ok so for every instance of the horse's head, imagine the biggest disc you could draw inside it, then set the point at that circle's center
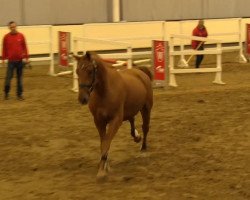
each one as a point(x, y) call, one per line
point(86, 71)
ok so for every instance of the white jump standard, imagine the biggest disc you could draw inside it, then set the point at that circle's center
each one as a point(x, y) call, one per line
point(236, 32)
point(218, 52)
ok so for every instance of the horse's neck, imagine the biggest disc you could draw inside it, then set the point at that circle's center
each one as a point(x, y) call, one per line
point(102, 79)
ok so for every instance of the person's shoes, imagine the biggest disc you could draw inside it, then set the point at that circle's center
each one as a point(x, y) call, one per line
point(20, 98)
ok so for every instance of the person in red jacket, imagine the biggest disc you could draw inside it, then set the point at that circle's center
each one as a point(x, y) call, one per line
point(15, 51)
point(200, 31)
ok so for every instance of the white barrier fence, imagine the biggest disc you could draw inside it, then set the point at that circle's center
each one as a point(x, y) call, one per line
point(233, 35)
point(172, 53)
point(119, 44)
point(43, 37)
point(136, 33)
point(123, 45)
point(43, 41)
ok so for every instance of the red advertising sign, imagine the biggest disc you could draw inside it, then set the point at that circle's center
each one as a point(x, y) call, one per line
point(248, 39)
point(64, 48)
point(159, 55)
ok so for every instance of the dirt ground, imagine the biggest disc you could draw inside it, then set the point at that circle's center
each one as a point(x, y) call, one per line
point(199, 142)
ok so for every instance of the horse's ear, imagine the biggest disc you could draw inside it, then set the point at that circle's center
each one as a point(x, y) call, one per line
point(93, 57)
point(88, 55)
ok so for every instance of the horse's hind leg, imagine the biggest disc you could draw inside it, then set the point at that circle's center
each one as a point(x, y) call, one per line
point(134, 132)
point(145, 112)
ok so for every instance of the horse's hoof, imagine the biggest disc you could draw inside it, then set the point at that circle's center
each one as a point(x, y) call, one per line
point(143, 147)
point(101, 177)
point(107, 166)
point(137, 139)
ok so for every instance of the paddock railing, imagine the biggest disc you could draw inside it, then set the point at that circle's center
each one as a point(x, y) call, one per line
point(172, 53)
point(43, 40)
point(234, 35)
point(122, 45)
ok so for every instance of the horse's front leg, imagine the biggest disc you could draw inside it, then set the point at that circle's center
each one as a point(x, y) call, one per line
point(106, 139)
point(101, 127)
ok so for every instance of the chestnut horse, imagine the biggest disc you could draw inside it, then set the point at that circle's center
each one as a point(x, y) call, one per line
point(113, 97)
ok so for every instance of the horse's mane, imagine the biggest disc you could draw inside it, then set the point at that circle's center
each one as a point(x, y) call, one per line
point(91, 56)
point(99, 60)
point(146, 70)
point(94, 56)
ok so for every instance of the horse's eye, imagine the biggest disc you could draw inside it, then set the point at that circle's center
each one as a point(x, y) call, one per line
point(90, 72)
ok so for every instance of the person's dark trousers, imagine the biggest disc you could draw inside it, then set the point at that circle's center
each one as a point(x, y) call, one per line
point(12, 66)
point(199, 58)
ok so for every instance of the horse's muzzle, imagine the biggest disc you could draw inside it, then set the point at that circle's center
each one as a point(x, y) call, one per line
point(83, 99)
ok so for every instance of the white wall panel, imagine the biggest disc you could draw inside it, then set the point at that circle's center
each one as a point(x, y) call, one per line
point(146, 10)
point(79, 11)
point(37, 12)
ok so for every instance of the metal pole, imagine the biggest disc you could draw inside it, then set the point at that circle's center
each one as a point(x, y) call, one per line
point(116, 10)
point(129, 62)
point(52, 69)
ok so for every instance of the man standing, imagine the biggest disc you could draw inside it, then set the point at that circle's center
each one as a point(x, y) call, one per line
point(200, 31)
point(14, 50)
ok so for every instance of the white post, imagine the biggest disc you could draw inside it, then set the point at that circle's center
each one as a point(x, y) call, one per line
point(52, 67)
point(163, 31)
point(75, 77)
point(217, 79)
point(182, 62)
point(242, 58)
point(116, 10)
point(172, 81)
point(129, 62)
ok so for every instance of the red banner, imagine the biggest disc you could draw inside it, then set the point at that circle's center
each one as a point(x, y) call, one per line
point(64, 48)
point(159, 55)
point(248, 39)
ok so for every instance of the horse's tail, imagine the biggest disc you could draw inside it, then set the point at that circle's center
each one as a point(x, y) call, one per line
point(147, 71)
